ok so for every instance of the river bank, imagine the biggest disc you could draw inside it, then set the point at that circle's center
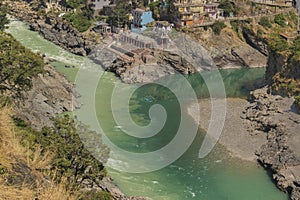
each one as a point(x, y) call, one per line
point(234, 135)
point(264, 130)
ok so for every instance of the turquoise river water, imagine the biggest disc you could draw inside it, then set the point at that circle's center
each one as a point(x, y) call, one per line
point(215, 177)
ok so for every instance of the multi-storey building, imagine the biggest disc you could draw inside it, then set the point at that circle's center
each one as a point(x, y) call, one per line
point(141, 18)
point(189, 12)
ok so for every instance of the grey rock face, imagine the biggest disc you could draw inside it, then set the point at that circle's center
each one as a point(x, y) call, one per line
point(50, 95)
point(54, 29)
point(63, 34)
point(272, 115)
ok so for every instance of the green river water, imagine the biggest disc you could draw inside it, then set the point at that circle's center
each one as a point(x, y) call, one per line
point(215, 177)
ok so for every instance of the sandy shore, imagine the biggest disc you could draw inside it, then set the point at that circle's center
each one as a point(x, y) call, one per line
point(235, 137)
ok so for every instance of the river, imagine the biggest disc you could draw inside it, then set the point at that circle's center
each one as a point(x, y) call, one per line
point(215, 177)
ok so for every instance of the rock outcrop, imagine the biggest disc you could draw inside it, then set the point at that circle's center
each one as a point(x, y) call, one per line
point(273, 116)
point(51, 94)
point(229, 51)
point(61, 33)
point(55, 29)
point(143, 65)
point(255, 42)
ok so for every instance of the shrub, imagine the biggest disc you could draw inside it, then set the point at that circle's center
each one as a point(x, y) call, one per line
point(297, 100)
point(3, 18)
point(217, 27)
point(94, 195)
point(265, 22)
point(277, 43)
point(260, 33)
point(280, 19)
point(18, 65)
point(71, 159)
point(79, 21)
point(228, 7)
point(235, 25)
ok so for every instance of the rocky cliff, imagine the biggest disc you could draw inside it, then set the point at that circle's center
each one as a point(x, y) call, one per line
point(150, 65)
point(228, 50)
point(55, 29)
point(61, 33)
point(283, 72)
point(273, 116)
point(51, 94)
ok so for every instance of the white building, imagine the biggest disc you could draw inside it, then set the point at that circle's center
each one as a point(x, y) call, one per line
point(99, 4)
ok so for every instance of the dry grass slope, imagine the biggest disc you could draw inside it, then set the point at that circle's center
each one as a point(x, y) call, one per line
point(14, 152)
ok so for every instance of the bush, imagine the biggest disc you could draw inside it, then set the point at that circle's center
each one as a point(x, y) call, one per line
point(228, 7)
point(235, 25)
point(277, 43)
point(260, 33)
point(3, 18)
point(18, 65)
point(297, 100)
point(71, 158)
point(265, 22)
point(280, 19)
point(79, 21)
point(217, 27)
point(94, 195)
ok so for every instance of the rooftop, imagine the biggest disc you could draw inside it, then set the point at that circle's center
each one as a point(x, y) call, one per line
point(139, 37)
point(139, 10)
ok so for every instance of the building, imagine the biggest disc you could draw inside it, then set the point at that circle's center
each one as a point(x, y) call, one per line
point(99, 4)
point(141, 18)
point(136, 40)
point(102, 28)
point(213, 11)
point(189, 12)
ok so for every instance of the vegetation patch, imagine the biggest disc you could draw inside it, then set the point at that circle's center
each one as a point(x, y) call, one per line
point(217, 27)
point(280, 20)
point(265, 22)
point(229, 8)
point(79, 20)
point(277, 44)
point(18, 65)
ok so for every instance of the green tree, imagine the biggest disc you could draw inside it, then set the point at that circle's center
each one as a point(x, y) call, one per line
point(217, 27)
point(18, 65)
point(79, 20)
point(154, 7)
point(277, 43)
point(228, 8)
point(72, 158)
point(3, 18)
point(94, 195)
point(74, 4)
point(265, 22)
point(280, 19)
